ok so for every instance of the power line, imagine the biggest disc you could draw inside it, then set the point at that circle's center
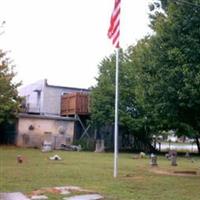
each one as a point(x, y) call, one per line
point(189, 3)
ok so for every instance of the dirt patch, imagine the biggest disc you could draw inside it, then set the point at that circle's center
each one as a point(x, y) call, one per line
point(186, 172)
point(174, 173)
point(43, 191)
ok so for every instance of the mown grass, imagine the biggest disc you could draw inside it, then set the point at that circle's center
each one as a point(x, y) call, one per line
point(94, 171)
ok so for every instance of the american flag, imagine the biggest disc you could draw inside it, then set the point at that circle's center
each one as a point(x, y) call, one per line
point(114, 29)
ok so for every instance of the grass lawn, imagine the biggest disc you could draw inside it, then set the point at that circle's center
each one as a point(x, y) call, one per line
point(94, 171)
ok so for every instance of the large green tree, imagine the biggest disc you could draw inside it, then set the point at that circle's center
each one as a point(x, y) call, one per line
point(168, 67)
point(9, 99)
point(131, 116)
point(159, 77)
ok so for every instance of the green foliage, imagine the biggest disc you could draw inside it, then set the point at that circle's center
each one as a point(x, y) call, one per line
point(168, 67)
point(102, 96)
point(9, 99)
point(132, 119)
point(159, 77)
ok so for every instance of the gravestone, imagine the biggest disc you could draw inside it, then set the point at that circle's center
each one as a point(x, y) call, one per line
point(187, 155)
point(153, 161)
point(142, 155)
point(47, 146)
point(100, 146)
point(39, 197)
point(170, 154)
point(173, 160)
point(84, 197)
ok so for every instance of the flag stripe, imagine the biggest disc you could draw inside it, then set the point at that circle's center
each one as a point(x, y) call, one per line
point(114, 29)
point(114, 20)
point(116, 40)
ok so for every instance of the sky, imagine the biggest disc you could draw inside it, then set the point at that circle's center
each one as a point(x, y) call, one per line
point(64, 41)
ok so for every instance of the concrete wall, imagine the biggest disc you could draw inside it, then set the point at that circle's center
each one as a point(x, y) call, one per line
point(34, 130)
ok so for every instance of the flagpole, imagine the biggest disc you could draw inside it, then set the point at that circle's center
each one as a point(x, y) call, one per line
point(113, 34)
point(116, 114)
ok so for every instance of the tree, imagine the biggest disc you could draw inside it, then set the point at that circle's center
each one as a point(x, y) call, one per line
point(9, 99)
point(170, 76)
point(159, 77)
point(131, 116)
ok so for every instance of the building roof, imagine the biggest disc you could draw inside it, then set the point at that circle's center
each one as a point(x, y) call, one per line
point(55, 117)
point(69, 88)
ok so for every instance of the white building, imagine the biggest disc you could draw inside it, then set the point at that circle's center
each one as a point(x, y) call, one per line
point(41, 120)
point(45, 99)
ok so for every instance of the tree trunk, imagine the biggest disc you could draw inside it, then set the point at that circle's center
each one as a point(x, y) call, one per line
point(198, 144)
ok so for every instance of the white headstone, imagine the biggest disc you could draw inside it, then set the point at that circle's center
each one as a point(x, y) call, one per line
point(85, 197)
